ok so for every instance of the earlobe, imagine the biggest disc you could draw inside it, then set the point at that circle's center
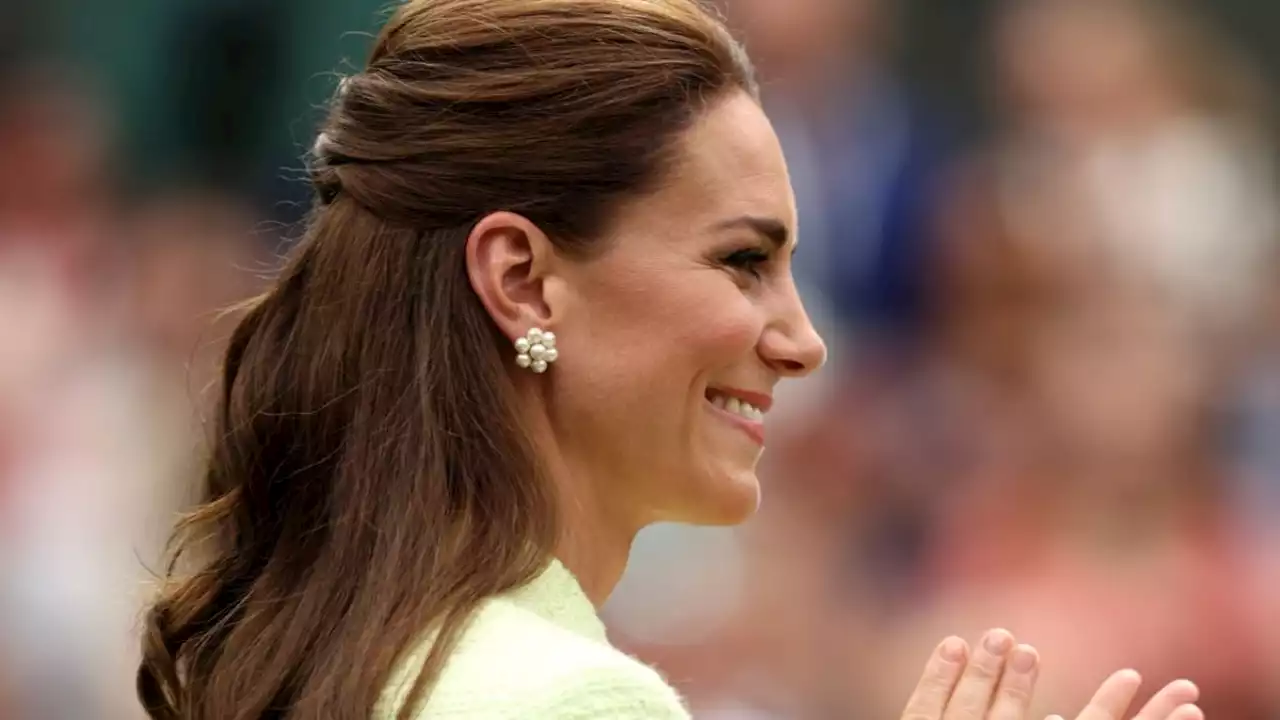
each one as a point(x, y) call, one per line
point(508, 261)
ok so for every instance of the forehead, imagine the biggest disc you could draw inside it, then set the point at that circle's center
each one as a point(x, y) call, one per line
point(730, 164)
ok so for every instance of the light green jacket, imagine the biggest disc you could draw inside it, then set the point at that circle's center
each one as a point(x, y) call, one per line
point(538, 653)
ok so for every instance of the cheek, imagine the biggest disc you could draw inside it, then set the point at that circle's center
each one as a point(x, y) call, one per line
point(718, 336)
point(699, 319)
point(646, 343)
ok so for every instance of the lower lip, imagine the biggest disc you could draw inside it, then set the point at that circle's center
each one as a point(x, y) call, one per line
point(754, 429)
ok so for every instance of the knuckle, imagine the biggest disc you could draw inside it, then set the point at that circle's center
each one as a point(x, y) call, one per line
point(938, 683)
point(984, 671)
point(928, 697)
point(970, 701)
point(937, 690)
point(927, 702)
point(1018, 693)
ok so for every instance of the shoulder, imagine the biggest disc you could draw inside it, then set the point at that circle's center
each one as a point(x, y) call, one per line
point(625, 691)
point(511, 663)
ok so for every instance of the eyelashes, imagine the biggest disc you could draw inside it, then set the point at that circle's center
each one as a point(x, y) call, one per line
point(748, 261)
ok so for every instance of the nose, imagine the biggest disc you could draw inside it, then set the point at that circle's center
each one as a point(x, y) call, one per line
point(790, 345)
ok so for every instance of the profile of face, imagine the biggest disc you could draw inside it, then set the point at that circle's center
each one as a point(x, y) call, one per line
point(672, 340)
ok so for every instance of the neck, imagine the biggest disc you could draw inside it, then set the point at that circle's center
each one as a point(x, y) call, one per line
point(595, 557)
point(595, 539)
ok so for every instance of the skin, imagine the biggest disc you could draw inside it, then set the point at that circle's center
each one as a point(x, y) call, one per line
point(693, 298)
point(693, 295)
point(996, 680)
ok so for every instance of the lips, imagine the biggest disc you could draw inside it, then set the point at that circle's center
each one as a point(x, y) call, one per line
point(758, 400)
point(742, 408)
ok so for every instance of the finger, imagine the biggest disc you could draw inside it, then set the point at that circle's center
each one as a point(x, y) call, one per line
point(938, 681)
point(1013, 696)
point(1171, 697)
point(972, 696)
point(1113, 697)
point(1187, 712)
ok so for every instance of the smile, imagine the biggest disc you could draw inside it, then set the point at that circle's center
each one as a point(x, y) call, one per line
point(740, 411)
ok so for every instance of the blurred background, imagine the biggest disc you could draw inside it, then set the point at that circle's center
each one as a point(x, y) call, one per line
point(1040, 237)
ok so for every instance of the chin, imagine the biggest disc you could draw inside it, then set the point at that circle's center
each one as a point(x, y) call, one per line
point(728, 499)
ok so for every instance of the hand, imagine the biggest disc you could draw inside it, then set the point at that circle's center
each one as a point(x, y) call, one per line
point(1175, 701)
point(998, 681)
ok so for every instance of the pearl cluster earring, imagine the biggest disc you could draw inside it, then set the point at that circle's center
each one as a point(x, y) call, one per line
point(536, 350)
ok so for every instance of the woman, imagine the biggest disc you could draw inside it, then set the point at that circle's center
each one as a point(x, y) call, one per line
point(542, 302)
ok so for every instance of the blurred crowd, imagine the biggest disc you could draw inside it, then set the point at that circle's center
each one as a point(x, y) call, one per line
point(1053, 403)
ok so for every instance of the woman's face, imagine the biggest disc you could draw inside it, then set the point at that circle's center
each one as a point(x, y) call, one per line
point(674, 338)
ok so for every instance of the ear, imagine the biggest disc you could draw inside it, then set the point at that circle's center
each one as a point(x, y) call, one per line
point(509, 263)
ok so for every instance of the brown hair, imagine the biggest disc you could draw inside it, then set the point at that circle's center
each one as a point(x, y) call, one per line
point(369, 480)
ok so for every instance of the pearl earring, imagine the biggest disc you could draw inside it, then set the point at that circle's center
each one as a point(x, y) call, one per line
point(536, 350)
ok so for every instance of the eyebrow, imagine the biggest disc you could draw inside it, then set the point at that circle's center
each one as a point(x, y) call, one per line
point(772, 229)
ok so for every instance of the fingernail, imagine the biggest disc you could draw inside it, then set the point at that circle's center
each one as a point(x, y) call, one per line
point(953, 649)
point(1129, 674)
point(1024, 659)
point(998, 642)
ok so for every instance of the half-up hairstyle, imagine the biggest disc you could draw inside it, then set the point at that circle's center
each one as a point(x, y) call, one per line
point(369, 480)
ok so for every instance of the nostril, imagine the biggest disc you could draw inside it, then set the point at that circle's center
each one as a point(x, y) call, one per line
point(791, 366)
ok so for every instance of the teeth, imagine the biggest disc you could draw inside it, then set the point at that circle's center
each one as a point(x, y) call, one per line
point(737, 407)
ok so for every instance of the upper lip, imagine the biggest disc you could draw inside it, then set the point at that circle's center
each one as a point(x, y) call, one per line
point(758, 400)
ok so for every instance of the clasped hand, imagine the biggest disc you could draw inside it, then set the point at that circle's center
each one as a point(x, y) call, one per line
point(996, 680)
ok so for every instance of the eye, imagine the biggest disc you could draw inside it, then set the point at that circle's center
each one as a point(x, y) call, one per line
point(747, 260)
